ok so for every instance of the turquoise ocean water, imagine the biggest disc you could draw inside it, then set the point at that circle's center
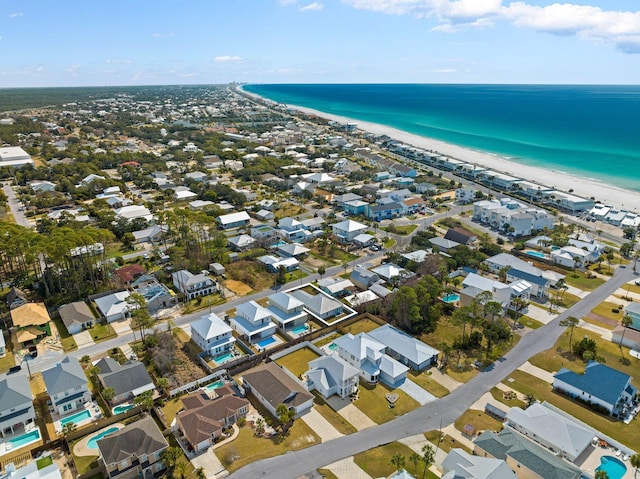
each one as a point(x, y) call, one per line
point(592, 131)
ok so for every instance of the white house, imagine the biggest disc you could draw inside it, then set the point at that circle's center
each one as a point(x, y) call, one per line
point(253, 321)
point(14, 156)
point(286, 310)
point(405, 348)
point(212, 334)
point(347, 230)
point(193, 285)
point(67, 386)
point(16, 405)
point(459, 464)
point(331, 375)
point(234, 220)
point(319, 305)
point(115, 307)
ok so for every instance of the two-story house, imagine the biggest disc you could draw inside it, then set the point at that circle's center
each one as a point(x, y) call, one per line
point(134, 451)
point(127, 380)
point(331, 375)
point(16, 405)
point(193, 285)
point(67, 387)
point(347, 230)
point(292, 230)
point(212, 334)
point(286, 311)
point(253, 321)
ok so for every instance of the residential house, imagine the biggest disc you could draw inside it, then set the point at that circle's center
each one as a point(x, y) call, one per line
point(319, 305)
point(253, 321)
point(128, 273)
point(331, 375)
point(242, 243)
point(16, 297)
point(272, 386)
point(265, 215)
point(197, 205)
point(154, 234)
point(405, 348)
point(204, 419)
point(363, 240)
point(524, 457)
point(363, 278)
point(134, 451)
point(633, 310)
point(14, 157)
point(286, 311)
point(505, 294)
point(390, 272)
point(341, 200)
point(385, 211)
point(274, 263)
point(599, 385)
point(127, 380)
point(367, 354)
point(16, 405)
point(32, 323)
point(443, 244)
point(115, 307)
point(516, 269)
point(233, 220)
point(347, 230)
point(193, 285)
point(32, 470)
point(557, 432)
point(264, 234)
point(465, 195)
point(571, 257)
point(459, 464)
point(292, 230)
point(67, 386)
point(76, 316)
point(417, 256)
point(156, 295)
point(336, 287)
point(460, 235)
point(133, 212)
point(355, 207)
point(212, 334)
point(293, 250)
point(314, 224)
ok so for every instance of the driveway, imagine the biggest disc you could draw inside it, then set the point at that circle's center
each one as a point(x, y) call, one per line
point(83, 339)
point(351, 413)
point(347, 469)
point(122, 326)
point(540, 314)
point(321, 426)
point(209, 462)
point(416, 392)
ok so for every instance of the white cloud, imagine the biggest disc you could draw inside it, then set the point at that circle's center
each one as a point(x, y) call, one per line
point(620, 28)
point(312, 7)
point(15, 14)
point(228, 59)
point(118, 62)
point(163, 35)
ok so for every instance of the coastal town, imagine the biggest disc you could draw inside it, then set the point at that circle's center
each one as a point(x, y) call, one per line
point(201, 283)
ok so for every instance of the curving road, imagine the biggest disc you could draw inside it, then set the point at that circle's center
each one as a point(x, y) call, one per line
point(430, 416)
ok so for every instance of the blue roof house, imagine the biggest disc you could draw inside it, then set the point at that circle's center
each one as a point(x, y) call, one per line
point(599, 385)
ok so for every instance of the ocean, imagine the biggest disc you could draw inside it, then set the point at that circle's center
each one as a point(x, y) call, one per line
point(591, 131)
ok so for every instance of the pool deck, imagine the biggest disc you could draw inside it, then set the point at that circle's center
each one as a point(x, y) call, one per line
point(82, 449)
point(592, 461)
point(91, 406)
point(7, 448)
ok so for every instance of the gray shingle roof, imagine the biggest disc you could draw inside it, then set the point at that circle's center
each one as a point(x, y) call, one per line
point(65, 375)
point(276, 386)
point(129, 376)
point(139, 438)
point(75, 313)
point(15, 392)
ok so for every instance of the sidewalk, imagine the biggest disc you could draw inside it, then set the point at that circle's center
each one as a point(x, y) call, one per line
point(604, 333)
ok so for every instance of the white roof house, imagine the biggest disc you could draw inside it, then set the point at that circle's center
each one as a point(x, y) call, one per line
point(347, 230)
point(319, 305)
point(286, 310)
point(134, 211)
point(459, 464)
point(361, 298)
point(332, 375)
point(14, 156)
point(114, 306)
point(253, 321)
point(405, 348)
point(212, 334)
point(234, 220)
point(389, 271)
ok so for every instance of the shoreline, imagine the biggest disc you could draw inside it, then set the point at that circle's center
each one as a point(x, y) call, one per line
point(615, 196)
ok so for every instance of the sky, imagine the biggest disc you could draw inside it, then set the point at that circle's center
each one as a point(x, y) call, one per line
point(144, 42)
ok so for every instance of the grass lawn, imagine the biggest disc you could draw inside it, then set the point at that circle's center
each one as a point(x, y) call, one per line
point(376, 462)
point(66, 339)
point(297, 362)
point(479, 420)
point(580, 281)
point(171, 408)
point(530, 322)
point(363, 326)
point(566, 299)
point(102, 332)
point(247, 448)
point(400, 230)
point(288, 209)
point(327, 474)
point(327, 339)
point(498, 395)
point(44, 462)
point(294, 275)
point(628, 434)
point(373, 403)
point(9, 359)
point(425, 382)
point(446, 443)
point(335, 419)
point(203, 302)
point(250, 273)
point(388, 242)
point(606, 309)
point(601, 324)
point(330, 253)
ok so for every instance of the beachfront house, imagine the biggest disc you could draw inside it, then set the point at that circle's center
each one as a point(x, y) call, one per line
point(133, 451)
point(331, 375)
point(253, 322)
point(17, 413)
point(271, 386)
point(599, 385)
point(67, 387)
point(213, 335)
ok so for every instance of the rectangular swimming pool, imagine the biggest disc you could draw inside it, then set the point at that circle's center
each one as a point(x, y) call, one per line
point(536, 254)
point(25, 439)
point(451, 298)
point(216, 385)
point(223, 358)
point(266, 342)
point(303, 328)
point(77, 417)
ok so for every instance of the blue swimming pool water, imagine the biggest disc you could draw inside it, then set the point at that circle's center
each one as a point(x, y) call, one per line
point(266, 342)
point(25, 439)
point(451, 298)
point(223, 358)
point(93, 442)
point(216, 385)
point(77, 417)
point(300, 329)
point(122, 408)
point(333, 346)
point(537, 254)
point(614, 468)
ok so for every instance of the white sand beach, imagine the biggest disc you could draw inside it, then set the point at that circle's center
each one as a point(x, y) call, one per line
point(607, 194)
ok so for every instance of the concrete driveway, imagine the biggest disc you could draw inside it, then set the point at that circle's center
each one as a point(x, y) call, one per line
point(416, 392)
point(347, 469)
point(321, 426)
point(351, 413)
point(210, 463)
point(83, 339)
point(122, 326)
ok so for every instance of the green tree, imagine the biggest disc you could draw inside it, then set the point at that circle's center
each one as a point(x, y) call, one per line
point(570, 322)
point(69, 428)
point(144, 400)
point(140, 317)
point(108, 394)
point(281, 275)
point(635, 463)
point(285, 416)
point(626, 321)
point(398, 461)
point(601, 475)
point(404, 308)
point(428, 456)
point(163, 385)
point(200, 474)
point(415, 458)
point(321, 271)
point(259, 426)
point(170, 457)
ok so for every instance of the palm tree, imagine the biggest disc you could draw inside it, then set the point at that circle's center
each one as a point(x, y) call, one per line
point(570, 322)
point(179, 470)
point(108, 394)
point(625, 322)
point(163, 385)
point(170, 457)
point(68, 428)
point(259, 426)
point(145, 400)
point(635, 463)
point(414, 458)
point(200, 474)
point(285, 416)
point(601, 475)
point(321, 271)
point(428, 456)
point(398, 461)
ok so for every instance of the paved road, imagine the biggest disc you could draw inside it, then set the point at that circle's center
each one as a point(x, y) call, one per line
point(15, 206)
point(430, 416)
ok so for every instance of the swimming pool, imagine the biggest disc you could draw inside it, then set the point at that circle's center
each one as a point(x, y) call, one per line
point(614, 468)
point(77, 417)
point(25, 439)
point(303, 328)
point(266, 342)
point(536, 254)
point(223, 358)
point(216, 385)
point(451, 298)
point(93, 441)
point(333, 346)
point(122, 408)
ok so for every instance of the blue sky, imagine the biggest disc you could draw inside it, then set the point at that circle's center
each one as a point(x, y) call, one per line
point(135, 42)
